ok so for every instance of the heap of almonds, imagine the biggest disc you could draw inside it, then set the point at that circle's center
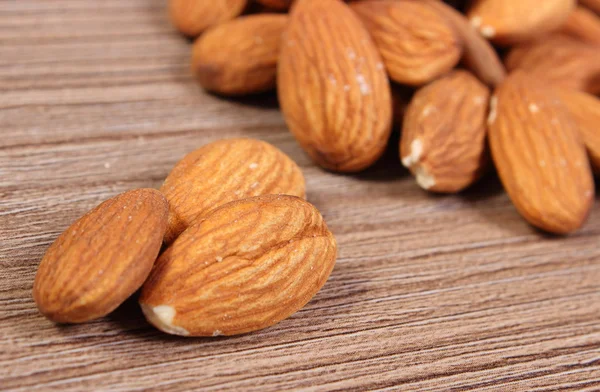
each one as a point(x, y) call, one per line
point(517, 78)
point(242, 248)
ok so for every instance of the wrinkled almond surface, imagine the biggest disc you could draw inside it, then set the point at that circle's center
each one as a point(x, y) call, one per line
point(223, 171)
point(561, 60)
point(246, 266)
point(417, 44)
point(585, 111)
point(240, 56)
point(539, 155)
point(510, 21)
point(102, 258)
point(332, 86)
point(443, 140)
point(192, 17)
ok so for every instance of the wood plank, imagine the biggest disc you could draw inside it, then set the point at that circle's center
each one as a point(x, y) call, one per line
point(429, 293)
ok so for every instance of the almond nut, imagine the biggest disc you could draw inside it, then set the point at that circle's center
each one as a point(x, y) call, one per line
point(443, 139)
point(192, 17)
point(332, 86)
point(240, 56)
point(102, 258)
point(539, 155)
point(510, 21)
point(561, 60)
point(416, 43)
point(223, 171)
point(246, 266)
point(585, 111)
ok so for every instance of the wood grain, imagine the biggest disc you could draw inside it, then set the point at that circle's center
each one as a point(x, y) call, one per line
point(429, 293)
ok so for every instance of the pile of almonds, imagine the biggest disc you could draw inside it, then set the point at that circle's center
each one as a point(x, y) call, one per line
point(471, 83)
point(243, 249)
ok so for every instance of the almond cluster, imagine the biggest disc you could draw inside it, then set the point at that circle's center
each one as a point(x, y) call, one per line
point(470, 84)
point(242, 251)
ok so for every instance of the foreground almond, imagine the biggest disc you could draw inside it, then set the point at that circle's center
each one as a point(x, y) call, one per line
point(585, 111)
point(102, 258)
point(443, 140)
point(239, 57)
point(192, 17)
point(511, 21)
point(223, 171)
point(417, 44)
point(245, 267)
point(560, 60)
point(332, 86)
point(539, 155)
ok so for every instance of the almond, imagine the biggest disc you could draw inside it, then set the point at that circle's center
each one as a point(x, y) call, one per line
point(246, 266)
point(583, 24)
point(479, 55)
point(585, 111)
point(539, 155)
point(332, 86)
point(240, 56)
point(416, 43)
point(561, 60)
point(102, 258)
point(510, 21)
point(192, 17)
point(223, 171)
point(443, 139)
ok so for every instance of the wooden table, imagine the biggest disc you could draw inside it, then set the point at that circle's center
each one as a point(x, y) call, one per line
point(429, 292)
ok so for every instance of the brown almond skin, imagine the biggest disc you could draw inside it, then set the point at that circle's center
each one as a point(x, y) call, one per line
point(479, 55)
point(443, 140)
point(416, 43)
point(246, 266)
point(332, 86)
point(507, 22)
point(559, 60)
point(102, 258)
point(240, 56)
point(585, 111)
point(192, 17)
point(583, 24)
point(539, 155)
point(224, 171)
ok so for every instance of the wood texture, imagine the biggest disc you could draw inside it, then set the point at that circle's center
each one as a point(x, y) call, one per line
point(429, 293)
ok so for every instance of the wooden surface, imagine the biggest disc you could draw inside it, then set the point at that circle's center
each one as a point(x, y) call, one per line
point(429, 293)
